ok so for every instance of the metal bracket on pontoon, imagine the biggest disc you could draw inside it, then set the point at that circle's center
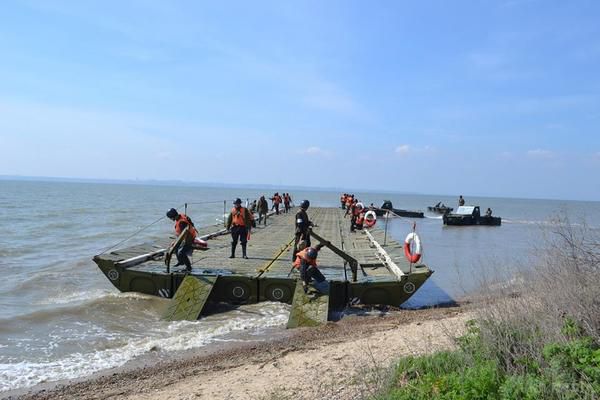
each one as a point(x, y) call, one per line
point(353, 262)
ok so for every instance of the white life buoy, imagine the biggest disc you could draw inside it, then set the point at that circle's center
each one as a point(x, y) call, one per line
point(415, 256)
point(370, 218)
point(360, 205)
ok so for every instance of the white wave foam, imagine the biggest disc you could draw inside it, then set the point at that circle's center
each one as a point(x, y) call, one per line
point(75, 297)
point(177, 336)
point(91, 295)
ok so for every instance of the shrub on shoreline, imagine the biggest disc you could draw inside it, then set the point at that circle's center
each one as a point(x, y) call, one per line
point(569, 370)
point(537, 339)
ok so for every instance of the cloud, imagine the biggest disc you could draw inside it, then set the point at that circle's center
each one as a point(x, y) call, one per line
point(406, 149)
point(540, 154)
point(315, 151)
point(403, 149)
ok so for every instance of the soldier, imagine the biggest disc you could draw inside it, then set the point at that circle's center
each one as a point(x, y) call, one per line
point(252, 207)
point(263, 209)
point(185, 249)
point(239, 222)
point(356, 210)
point(306, 264)
point(461, 201)
point(276, 202)
point(303, 225)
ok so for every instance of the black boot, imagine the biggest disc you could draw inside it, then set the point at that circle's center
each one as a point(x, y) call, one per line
point(233, 245)
point(244, 251)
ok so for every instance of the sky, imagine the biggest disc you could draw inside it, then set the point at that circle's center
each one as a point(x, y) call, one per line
point(488, 98)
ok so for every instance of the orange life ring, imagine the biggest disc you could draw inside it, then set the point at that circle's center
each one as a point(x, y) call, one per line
point(370, 219)
point(410, 256)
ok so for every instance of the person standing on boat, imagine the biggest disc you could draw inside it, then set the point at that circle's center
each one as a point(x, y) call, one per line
point(239, 223)
point(185, 249)
point(461, 201)
point(263, 209)
point(303, 225)
point(306, 264)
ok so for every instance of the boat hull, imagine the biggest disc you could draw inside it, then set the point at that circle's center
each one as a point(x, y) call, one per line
point(467, 220)
point(440, 210)
point(401, 213)
point(241, 289)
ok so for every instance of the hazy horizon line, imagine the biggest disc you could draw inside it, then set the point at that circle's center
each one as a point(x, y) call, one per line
point(176, 182)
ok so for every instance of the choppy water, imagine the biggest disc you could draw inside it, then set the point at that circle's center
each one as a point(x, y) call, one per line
point(61, 318)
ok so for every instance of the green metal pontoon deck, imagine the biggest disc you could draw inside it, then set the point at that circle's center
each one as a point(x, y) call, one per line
point(362, 267)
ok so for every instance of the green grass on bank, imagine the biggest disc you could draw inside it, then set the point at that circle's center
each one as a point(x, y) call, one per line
point(537, 338)
point(566, 370)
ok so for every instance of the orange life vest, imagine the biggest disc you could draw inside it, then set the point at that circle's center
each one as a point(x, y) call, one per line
point(238, 216)
point(360, 219)
point(301, 255)
point(179, 228)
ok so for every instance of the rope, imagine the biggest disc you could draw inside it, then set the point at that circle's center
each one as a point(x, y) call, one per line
point(136, 233)
point(207, 202)
point(184, 205)
point(395, 215)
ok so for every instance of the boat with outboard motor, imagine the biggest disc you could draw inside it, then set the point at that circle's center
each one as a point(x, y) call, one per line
point(470, 215)
point(388, 206)
point(358, 269)
point(440, 208)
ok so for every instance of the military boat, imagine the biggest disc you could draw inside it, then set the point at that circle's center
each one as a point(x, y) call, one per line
point(364, 267)
point(440, 209)
point(470, 215)
point(388, 206)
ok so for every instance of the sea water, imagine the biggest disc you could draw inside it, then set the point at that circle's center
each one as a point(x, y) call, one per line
point(60, 318)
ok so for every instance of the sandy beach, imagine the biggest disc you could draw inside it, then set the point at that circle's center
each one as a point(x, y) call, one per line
point(340, 360)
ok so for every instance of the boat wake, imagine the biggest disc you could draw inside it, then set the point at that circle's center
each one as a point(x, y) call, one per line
point(537, 222)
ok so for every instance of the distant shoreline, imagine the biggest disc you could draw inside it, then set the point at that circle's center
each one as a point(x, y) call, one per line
point(181, 183)
point(257, 186)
